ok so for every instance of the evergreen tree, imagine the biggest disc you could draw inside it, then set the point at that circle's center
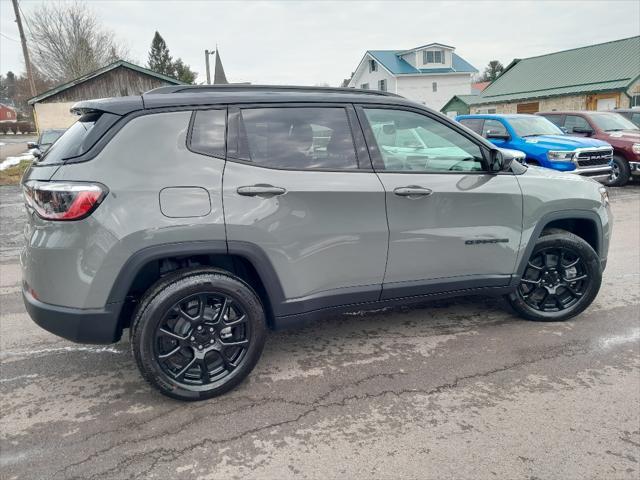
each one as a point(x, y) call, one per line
point(183, 72)
point(159, 59)
point(493, 71)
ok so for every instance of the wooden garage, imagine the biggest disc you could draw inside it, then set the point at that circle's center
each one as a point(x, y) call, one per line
point(119, 79)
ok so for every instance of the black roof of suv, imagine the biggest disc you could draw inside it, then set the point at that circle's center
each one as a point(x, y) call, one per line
point(195, 95)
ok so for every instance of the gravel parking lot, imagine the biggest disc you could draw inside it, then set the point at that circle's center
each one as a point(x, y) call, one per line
point(456, 389)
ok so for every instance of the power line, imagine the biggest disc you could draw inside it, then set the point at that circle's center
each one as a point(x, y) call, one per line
point(9, 38)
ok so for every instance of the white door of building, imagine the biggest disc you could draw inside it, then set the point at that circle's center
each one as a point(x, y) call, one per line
point(606, 104)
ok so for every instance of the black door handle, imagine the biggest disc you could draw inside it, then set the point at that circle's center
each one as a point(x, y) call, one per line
point(257, 190)
point(414, 191)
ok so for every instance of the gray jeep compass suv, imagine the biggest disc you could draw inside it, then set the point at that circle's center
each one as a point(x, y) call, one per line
point(200, 217)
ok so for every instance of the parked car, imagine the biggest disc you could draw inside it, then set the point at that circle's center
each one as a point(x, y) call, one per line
point(127, 230)
point(45, 140)
point(632, 114)
point(543, 143)
point(622, 134)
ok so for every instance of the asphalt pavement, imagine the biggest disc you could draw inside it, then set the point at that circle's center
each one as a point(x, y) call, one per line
point(456, 389)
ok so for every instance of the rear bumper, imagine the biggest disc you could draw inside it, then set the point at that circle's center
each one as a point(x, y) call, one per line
point(75, 324)
point(635, 168)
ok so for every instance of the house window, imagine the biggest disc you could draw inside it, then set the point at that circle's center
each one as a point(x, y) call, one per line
point(364, 86)
point(382, 85)
point(434, 86)
point(635, 101)
point(432, 56)
point(373, 66)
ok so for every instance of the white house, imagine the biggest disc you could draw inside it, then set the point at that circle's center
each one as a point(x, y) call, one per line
point(430, 74)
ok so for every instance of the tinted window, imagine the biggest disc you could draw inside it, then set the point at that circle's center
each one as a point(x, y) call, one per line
point(409, 141)
point(495, 127)
point(555, 119)
point(208, 132)
point(635, 118)
point(474, 124)
point(573, 121)
point(79, 138)
point(302, 138)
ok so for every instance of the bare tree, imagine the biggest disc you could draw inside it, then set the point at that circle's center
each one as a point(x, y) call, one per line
point(67, 41)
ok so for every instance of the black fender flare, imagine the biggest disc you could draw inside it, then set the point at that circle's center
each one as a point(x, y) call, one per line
point(546, 220)
point(250, 252)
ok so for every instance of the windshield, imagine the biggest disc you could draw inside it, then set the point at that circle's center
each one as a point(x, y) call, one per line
point(50, 136)
point(532, 126)
point(612, 122)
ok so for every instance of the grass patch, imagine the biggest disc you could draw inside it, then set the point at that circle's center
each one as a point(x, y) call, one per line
point(13, 175)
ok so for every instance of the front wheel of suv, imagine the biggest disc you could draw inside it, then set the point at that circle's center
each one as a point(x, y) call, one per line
point(561, 279)
point(620, 172)
point(198, 333)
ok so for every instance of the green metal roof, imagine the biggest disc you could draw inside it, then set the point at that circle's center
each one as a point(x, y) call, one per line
point(466, 99)
point(469, 99)
point(100, 71)
point(604, 67)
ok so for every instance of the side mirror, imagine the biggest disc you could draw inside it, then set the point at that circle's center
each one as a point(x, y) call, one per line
point(37, 153)
point(583, 130)
point(500, 160)
point(32, 145)
point(498, 135)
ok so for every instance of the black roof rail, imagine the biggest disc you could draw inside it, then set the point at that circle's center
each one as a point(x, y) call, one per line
point(247, 87)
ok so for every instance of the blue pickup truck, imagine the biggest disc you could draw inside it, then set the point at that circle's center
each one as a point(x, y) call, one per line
point(543, 143)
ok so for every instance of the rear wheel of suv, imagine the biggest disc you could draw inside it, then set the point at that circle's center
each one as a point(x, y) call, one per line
point(198, 333)
point(561, 279)
point(620, 172)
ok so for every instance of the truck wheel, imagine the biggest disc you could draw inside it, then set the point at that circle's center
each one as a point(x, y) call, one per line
point(620, 172)
point(561, 279)
point(198, 333)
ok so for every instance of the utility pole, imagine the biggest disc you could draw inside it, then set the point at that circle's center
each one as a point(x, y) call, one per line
point(25, 51)
point(206, 59)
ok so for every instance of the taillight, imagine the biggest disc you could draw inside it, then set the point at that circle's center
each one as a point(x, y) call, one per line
point(63, 200)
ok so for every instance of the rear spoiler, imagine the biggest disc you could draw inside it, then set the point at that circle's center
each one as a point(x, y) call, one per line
point(117, 106)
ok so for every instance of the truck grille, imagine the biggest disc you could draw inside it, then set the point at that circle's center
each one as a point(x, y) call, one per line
point(594, 158)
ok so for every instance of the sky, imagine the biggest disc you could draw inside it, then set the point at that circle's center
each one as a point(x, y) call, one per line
point(322, 42)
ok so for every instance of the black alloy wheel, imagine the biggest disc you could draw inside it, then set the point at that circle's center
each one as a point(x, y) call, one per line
point(198, 333)
point(554, 279)
point(202, 339)
point(560, 279)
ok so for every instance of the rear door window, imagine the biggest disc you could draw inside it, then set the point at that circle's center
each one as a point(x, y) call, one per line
point(298, 138)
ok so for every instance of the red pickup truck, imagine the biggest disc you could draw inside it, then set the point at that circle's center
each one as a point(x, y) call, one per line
point(613, 128)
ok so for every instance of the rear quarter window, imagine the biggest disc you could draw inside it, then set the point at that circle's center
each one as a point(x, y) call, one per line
point(208, 132)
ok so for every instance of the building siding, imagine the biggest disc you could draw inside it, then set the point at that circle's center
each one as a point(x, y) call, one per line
point(53, 111)
point(362, 75)
point(118, 82)
point(419, 88)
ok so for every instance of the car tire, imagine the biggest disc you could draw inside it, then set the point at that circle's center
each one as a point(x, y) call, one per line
point(621, 172)
point(561, 279)
point(197, 333)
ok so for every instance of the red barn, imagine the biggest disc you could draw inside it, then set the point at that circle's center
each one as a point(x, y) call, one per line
point(7, 113)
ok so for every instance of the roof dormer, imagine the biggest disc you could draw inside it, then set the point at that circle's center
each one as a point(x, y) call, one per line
point(433, 55)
